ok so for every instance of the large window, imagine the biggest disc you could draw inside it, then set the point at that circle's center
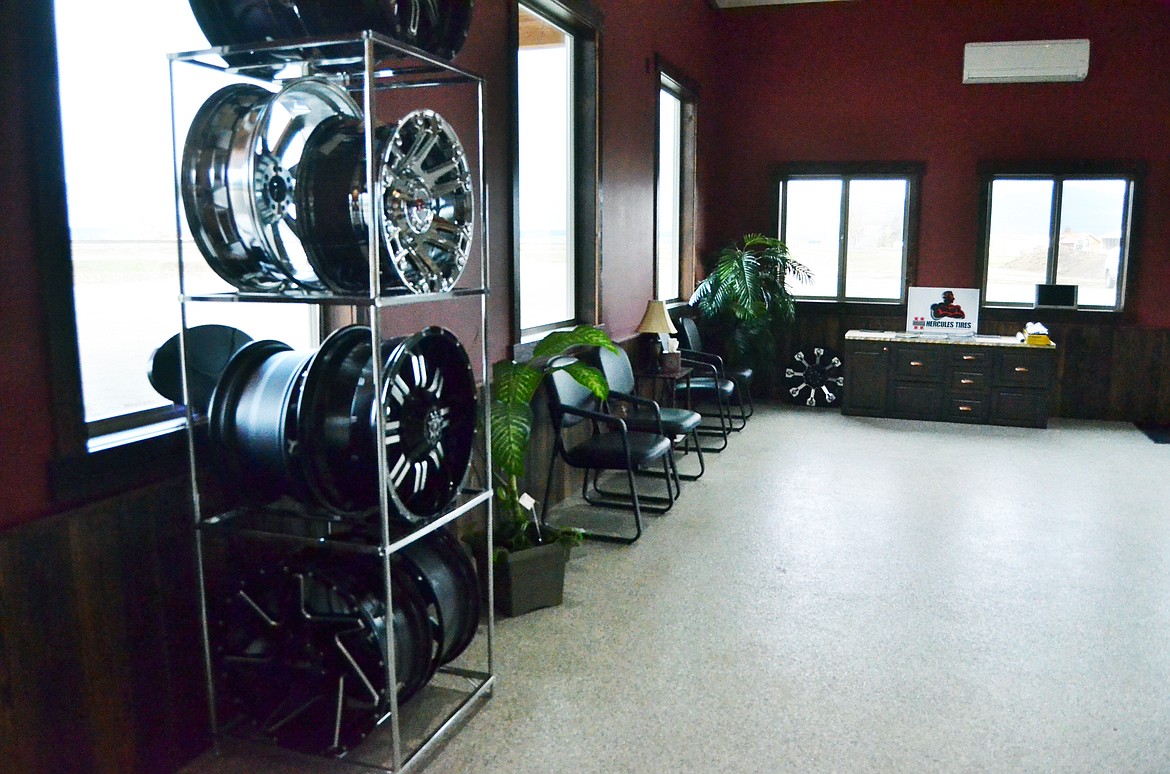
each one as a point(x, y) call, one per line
point(674, 202)
point(852, 229)
point(119, 184)
point(1064, 229)
point(544, 64)
point(556, 202)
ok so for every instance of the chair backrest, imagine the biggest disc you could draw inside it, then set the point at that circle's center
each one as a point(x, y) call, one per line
point(619, 373)
point(564, 390)
point(688, 334)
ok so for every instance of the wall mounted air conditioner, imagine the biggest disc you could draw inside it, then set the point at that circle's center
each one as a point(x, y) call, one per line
point(1025, 61)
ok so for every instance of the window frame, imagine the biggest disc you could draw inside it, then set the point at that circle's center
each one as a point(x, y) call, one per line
point(581, 20)
point(82, 468)
point(671, 80)
point(912, 172)
point(101, 457)
point(1060, 172)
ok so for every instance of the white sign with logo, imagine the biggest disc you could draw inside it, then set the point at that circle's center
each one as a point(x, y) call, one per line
point(943, 311)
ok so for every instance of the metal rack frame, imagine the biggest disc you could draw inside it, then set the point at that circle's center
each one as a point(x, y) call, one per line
point(370, 63)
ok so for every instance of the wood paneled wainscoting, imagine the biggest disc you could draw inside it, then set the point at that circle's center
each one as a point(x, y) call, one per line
point(1105, 368)
point(101, 662)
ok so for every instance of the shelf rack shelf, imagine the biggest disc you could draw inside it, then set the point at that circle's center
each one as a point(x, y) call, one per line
point(387, 77)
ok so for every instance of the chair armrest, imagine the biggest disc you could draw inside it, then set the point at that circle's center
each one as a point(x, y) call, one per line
point(597, 416)
point(640, 401)
point(705, 357)
point(702, 365)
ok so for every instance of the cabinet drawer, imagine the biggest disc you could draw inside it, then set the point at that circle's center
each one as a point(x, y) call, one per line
point(969, 381)
point(910, 400)
point(977, 359)
point(1024, 369)
point(918, 363)
point(964, 409)
point(1020, 408)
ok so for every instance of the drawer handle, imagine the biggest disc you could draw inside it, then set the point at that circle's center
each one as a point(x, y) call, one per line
point(1021, 370)
point(966, 381)
point(916, 363)
point(968, 357)
point(966, 408)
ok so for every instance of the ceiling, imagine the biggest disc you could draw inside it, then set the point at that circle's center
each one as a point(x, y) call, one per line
point(747, 3)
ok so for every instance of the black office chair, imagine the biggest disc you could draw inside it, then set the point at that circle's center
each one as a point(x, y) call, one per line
point(691, 347)
point(610, 446)
point(644, 415)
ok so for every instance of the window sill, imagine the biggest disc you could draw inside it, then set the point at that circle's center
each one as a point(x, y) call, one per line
point(119, 462)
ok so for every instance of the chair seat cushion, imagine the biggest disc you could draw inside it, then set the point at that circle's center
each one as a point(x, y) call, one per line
point(675, 421)
point(606, 451)
point(705, 386)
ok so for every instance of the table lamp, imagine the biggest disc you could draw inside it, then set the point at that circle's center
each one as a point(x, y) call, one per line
point(656, 320)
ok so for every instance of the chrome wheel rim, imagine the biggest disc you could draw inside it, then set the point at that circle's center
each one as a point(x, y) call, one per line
point(427, 203)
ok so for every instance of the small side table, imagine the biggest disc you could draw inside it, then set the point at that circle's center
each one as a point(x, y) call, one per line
point(670, 380)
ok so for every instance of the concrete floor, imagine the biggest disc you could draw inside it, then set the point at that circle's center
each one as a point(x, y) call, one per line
point(847, 594)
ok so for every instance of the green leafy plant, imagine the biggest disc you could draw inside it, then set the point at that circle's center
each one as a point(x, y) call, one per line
point(514, 385)
point(745, 297)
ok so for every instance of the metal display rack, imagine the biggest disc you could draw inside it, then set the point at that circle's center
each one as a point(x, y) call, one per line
point(383, 75)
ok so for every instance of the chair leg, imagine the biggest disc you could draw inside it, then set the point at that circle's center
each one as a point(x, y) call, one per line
point(741, 421)
point(601, 536)
point(547, 488)
point(686, 447)
point(609, 498)
point(722, 430)
point(745, 389)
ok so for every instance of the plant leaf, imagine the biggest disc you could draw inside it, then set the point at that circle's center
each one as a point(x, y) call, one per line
point(511, 428)
point(559, 342)
point(590, 377)
point(514, 382)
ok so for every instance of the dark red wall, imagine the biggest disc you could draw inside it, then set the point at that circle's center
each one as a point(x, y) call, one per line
point(869, 80)
point(25, 419)
point(681, 32)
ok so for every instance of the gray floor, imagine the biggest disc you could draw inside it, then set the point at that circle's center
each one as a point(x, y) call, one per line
point(845, 594)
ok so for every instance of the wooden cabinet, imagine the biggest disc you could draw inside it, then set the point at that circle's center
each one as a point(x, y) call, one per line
point(985, 380)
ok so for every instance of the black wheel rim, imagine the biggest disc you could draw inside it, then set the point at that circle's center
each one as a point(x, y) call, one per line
point(248, 420)
point(300, 649)
point(429, 403)
point(447, 578)
point(331, 183)
point(209, 349)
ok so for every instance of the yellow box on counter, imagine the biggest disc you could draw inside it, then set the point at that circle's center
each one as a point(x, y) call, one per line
point(1038, 340)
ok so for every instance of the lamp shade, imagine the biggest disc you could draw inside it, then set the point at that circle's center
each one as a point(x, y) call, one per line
point(656, 319)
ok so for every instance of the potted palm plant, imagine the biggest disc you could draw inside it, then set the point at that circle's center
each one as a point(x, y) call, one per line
point(745, 298)
point(529, 560)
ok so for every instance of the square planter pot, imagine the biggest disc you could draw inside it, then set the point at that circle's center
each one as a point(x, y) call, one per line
point(530, 579)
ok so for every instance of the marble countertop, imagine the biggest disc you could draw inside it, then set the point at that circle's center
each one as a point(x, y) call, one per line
point(934, 338)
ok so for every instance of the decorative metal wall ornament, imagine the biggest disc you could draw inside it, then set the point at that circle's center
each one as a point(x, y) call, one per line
point(813, 380)
point(300, 649)
point(427, 203)
point(239, 179)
